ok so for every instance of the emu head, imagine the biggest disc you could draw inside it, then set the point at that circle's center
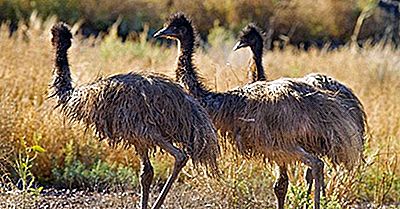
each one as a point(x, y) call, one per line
point(61, 36)
point(250, 36)
point(177, 27)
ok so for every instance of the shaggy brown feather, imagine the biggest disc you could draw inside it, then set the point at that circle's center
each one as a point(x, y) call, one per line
point(251, 36)
point(269, 119)
point(346, 96)
point(136, 109)
point(142, 110)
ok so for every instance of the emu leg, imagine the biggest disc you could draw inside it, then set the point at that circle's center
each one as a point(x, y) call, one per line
point(281, 186)
point(146, 177)
point(317, 168)
point(180, 161)
point(309, 180)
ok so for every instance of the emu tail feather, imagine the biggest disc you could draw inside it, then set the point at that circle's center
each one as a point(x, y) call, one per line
point(61, 86)
point(204, 149)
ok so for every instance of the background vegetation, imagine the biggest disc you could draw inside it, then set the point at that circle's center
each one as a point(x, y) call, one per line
point(297, 20)
point(44, 160)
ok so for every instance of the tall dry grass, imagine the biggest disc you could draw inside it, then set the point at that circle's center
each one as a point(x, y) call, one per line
point(26, 113)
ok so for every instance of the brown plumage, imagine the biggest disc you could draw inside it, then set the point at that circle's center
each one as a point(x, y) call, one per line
point(141, 110)
point(251, 36)
point(344, 94)
point(283, 120)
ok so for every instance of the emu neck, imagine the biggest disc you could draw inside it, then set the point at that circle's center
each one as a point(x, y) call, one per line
point(256, 68)
point(61, 59)
point(61, 83)
point(186, 73)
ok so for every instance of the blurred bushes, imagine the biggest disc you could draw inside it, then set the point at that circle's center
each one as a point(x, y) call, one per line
point(297, 20)
point(96, 15)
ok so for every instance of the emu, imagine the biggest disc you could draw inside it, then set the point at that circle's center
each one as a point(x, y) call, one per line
point(252, 36)
point(282, 121)
point(140, 110)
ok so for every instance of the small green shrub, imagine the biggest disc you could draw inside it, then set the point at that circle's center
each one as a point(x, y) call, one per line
point(23, 165)
point(97, 175)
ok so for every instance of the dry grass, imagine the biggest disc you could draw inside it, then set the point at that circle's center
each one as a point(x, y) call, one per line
point(25, 71)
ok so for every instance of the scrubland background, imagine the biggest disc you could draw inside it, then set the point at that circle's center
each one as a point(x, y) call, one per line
point(299, 20)
point(46, 161)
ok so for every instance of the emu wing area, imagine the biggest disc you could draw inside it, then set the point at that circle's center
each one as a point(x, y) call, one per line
point(140, 110)
point(271, 119)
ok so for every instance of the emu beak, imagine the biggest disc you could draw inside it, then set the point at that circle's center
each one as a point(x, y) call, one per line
point(239, 45)
point(163, 32)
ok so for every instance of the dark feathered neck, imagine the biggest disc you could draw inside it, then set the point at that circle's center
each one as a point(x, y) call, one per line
point(186, 72)
point(61, 84)
point(61, 58)
point(256, 68)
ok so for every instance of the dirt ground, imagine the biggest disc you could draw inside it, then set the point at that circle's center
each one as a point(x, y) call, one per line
point(52, 199)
